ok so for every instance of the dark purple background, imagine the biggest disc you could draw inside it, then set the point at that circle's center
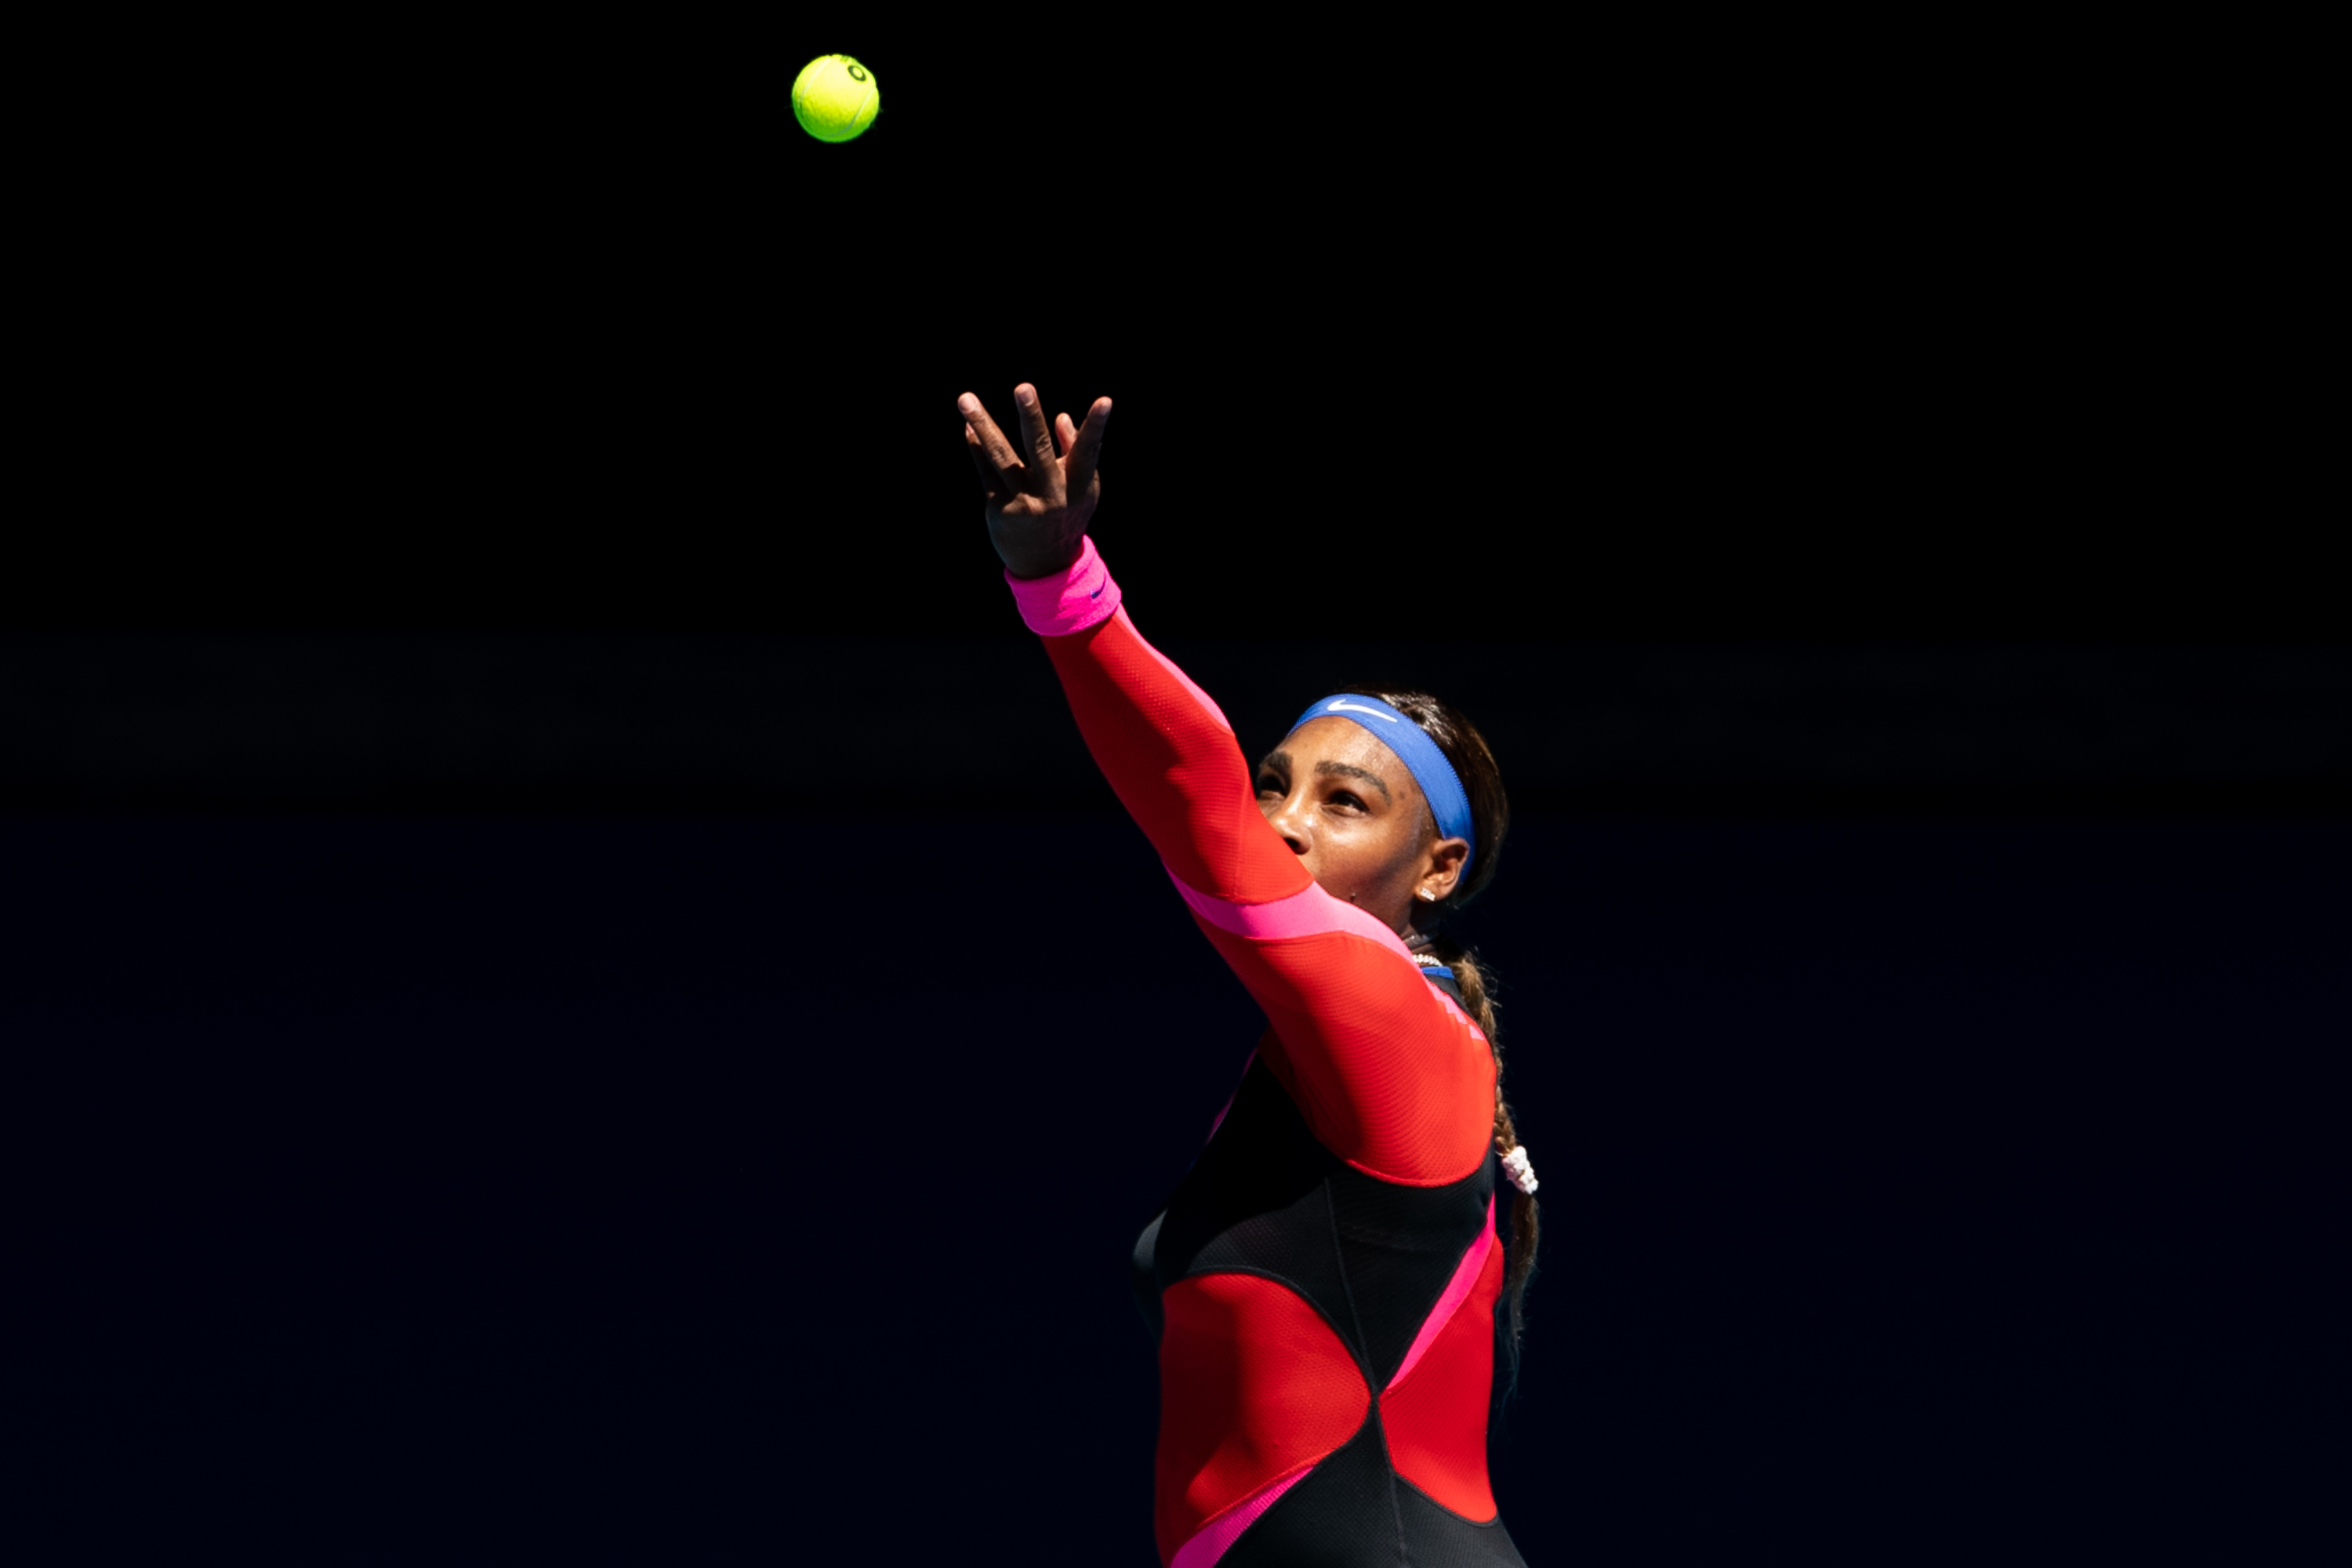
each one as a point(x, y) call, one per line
point(578, 1000)
point(497, 1190)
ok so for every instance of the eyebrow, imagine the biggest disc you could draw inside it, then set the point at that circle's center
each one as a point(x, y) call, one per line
point(1281, 761)
point(1342, 769)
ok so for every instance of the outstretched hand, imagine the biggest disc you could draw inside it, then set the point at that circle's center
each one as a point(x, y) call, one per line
point(1038, 502)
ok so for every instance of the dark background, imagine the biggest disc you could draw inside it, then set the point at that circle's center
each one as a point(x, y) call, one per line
point(539, 933)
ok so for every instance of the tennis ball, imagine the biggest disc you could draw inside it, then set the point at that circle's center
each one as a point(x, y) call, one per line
point(835, 98)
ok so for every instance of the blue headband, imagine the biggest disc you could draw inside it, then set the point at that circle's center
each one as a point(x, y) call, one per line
point(1448, 801)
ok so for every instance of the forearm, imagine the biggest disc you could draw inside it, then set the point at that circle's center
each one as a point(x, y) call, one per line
point(1388, 1073)
point(1166, 749)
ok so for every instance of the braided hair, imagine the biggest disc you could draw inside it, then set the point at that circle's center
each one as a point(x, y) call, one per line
point(1490, 814)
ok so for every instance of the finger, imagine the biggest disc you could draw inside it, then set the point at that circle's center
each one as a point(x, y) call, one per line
point(1085, 448)
point(993, 446)
point(1033, 424)
point(1064, 433)
point(991, 483)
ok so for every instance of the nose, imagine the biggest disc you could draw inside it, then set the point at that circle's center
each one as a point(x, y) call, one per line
point(1289, 820)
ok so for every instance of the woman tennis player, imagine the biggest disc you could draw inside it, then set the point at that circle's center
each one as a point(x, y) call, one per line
point(1323, 1280)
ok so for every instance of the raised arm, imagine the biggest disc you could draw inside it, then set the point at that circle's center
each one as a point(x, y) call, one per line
point(1165, 747)
point(1388, 1072)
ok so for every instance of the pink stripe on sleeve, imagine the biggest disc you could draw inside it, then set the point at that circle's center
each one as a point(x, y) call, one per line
point(1457, 1290)
point(1076, 599)
point(1215, 1539)
point(1310, 911)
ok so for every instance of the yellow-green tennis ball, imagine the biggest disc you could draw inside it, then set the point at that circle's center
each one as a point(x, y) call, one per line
point(835, 98)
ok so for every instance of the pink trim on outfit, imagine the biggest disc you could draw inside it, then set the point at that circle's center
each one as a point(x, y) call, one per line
point(1310, 911)
point(1212, 1539)
point(1082, 596)
point(1457, 1290)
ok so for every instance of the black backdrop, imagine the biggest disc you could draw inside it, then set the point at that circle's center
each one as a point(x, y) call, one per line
point(539, 920)
point(496, 1191)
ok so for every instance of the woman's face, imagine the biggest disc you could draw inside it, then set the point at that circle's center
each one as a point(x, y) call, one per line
point(1347, 807)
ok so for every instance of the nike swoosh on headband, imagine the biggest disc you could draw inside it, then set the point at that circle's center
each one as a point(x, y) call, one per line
point(1449, 803)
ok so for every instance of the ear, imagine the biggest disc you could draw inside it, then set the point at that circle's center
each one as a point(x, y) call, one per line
point(1443, 871)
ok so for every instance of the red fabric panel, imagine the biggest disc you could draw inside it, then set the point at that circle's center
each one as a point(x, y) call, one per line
point(1175, 766)
point(1387, 1078)
point(1253, 1384)
point(1437, 1418)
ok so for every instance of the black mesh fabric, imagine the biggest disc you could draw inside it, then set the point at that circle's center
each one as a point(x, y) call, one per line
point(1256, 1201)
point(1343, 1515)
point(1437, 1537)
point(1353, 1511)
point(1400, 1247)
point(1266, 1198)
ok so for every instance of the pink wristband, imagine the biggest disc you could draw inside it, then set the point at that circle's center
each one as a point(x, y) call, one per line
point(1069, 602)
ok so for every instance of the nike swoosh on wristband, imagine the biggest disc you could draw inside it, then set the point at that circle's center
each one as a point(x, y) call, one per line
point(1358, 708)
point(1096, 592)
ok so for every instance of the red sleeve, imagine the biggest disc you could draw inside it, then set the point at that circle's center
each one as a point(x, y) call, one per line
point(1391, 1075)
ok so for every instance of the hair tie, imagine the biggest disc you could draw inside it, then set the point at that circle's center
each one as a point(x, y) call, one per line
point(1522, 1174)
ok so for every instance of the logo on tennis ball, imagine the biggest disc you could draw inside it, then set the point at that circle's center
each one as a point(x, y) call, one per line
point(836, 98)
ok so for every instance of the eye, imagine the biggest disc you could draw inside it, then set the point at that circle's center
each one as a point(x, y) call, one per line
point(1343, 797)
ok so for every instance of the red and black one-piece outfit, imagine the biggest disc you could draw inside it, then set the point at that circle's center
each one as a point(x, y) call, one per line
point(1323, 1279)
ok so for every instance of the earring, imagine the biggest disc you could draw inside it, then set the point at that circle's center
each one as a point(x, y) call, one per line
point(1427, 896)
